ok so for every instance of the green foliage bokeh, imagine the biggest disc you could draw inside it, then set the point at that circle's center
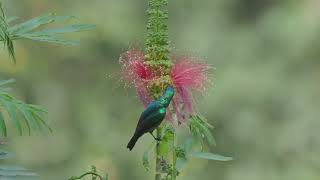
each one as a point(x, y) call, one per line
point(264, 103)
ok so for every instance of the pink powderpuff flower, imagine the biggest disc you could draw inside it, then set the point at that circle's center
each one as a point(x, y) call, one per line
point(135, 72)
point(187, 75)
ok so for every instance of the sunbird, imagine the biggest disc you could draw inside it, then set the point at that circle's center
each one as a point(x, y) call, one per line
point(152, 116)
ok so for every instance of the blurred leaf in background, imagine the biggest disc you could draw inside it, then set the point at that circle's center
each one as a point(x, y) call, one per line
point(13, 172)
point(32, 115)
point(33, 30)
point(264, 105)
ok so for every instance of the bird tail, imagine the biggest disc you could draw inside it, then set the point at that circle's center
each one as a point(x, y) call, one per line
point(133, 141)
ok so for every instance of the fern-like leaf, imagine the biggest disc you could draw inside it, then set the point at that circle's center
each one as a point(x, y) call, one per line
point(30, 29)
point(5, 35)
point(18, 111)
point(201, 130)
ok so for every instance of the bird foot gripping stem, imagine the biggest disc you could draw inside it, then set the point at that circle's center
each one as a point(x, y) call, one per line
point(156, 138)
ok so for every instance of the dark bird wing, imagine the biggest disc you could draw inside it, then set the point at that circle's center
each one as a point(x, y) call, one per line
point(151, 108)
point(151, 122)
point(150, 118)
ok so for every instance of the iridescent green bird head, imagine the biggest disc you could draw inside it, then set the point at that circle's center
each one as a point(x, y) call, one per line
point(165, 99)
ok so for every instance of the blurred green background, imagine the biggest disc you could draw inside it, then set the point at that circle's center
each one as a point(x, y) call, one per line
point(264, 103)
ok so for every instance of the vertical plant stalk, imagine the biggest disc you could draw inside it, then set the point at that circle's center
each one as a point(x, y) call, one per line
point(158, 156)
point(174, 156)
point(157, 50)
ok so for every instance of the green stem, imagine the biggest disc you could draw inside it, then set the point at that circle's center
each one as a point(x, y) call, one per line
point(174, 156)
point(158, 156)
point(157, 57)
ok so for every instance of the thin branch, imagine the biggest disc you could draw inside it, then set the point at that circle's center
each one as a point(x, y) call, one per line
point(86, 174)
